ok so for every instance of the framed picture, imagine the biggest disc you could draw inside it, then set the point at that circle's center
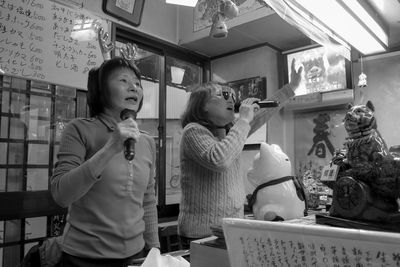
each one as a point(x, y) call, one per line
point(129, 11)
point(249, 87)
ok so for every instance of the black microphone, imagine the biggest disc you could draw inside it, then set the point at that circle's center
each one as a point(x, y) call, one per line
point(129, 144)
point(262, 104)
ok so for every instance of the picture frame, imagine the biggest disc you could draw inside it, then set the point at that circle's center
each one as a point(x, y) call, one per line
point(129, 11)
point(249, 87)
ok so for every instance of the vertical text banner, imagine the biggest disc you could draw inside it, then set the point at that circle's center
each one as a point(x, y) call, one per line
point(36, 43)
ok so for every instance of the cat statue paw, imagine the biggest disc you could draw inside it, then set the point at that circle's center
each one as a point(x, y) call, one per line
point(278, 195)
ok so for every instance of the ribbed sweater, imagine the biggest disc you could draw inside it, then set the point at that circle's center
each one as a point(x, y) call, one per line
point(112, 213)
point(211, 182)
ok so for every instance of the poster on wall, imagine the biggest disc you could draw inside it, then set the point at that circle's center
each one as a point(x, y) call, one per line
point(205, 9)
point(46, 41)
point(317, 136)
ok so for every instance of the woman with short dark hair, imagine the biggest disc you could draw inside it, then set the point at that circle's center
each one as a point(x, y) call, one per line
point(98, 94)
point(112, 214)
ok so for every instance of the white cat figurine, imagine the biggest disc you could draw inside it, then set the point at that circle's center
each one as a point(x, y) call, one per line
point(278, 195)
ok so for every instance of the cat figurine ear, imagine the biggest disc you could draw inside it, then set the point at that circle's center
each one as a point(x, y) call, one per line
point(370, 105)
point(349, 105)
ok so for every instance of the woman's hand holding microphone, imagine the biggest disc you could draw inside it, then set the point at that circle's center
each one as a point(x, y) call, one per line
point(248, 108)
point(124, 129)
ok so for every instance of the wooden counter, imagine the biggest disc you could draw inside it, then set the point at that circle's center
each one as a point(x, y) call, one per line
point(207, 252)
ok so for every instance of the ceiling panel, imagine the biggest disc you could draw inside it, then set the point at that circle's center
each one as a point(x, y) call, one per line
point(272, 30)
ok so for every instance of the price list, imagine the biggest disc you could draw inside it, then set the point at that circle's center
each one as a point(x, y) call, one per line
point(36, 42)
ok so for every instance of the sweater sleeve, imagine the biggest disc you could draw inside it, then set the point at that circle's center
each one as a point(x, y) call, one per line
point(72, 176)
point(149, 205)
point(283, 95)
point(201, 145)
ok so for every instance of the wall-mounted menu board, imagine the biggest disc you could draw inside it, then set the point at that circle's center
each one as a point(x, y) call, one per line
point(36, 43)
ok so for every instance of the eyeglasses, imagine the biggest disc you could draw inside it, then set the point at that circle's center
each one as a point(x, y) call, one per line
point(226, 95)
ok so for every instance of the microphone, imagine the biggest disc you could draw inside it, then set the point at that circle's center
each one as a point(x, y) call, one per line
point(262, 104)
point(129, 144)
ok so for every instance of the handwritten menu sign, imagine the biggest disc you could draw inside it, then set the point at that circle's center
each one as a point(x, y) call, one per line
point(36, 43)
point(259, 243)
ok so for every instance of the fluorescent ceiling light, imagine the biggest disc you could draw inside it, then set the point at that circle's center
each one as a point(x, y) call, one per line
point(366, 18)
point(336, 17)
point(320, 26)
point(191, 3)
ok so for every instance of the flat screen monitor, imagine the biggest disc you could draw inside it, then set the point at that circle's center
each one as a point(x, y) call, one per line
point(323, 70)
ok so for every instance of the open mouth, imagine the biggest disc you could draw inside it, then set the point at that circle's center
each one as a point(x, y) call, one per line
point(132, 99)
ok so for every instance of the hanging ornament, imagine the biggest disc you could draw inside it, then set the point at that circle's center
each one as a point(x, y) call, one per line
point(219, 28)
point(362, 78)
point(230, 9)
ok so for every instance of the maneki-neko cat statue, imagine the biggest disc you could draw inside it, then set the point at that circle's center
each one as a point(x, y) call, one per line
point(278, 195)
point(368, 182)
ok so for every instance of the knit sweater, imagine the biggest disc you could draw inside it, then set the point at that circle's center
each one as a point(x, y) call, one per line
point(111, 214)
point(212, 187)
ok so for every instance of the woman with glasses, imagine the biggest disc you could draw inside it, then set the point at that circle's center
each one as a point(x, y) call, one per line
point(212, 140)
point(210, 159)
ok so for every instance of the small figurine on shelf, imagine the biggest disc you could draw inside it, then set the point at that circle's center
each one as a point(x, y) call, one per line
point(278, 195)
point(311, 187)
point(368, 182)
point(319, 195)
